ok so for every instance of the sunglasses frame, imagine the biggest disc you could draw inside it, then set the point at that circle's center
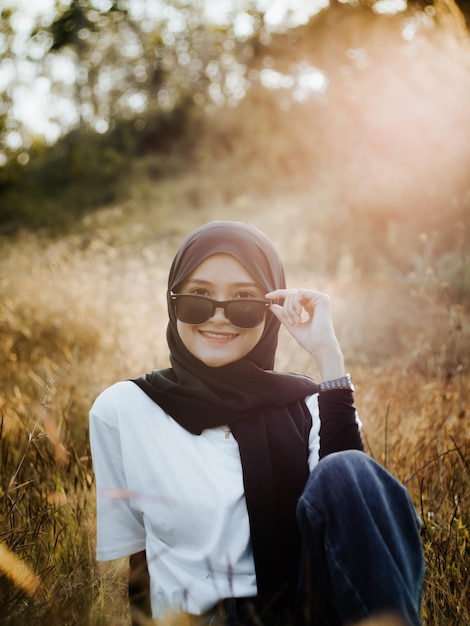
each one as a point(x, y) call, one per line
point(219, 304)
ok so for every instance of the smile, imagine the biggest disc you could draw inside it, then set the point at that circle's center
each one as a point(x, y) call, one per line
point(218, 336)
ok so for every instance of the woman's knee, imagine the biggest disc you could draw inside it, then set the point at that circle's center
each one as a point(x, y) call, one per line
point(349, 475)
point(340, 468)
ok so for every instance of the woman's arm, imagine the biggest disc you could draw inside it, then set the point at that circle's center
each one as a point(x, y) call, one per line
point(315, 333)
point(339, 429)
point(139, 589)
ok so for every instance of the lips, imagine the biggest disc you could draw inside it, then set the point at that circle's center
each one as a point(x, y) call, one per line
point(218, 336)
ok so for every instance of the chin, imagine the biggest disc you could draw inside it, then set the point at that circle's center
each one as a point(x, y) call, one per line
point(217, 362)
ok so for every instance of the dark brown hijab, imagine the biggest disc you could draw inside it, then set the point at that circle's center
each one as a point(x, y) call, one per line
point(264, 409)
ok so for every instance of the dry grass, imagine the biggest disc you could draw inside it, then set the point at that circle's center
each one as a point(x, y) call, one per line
point(79, 313)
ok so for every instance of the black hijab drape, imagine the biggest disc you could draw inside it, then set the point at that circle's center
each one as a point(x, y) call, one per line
point(264, 409)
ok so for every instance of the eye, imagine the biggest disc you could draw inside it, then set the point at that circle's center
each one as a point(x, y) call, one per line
point(244, 294)
point(200, 291)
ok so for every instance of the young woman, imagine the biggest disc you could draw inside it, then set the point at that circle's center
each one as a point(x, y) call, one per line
point(242, 495)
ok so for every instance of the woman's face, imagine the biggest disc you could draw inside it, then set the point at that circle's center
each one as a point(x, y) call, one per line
point(217, 342)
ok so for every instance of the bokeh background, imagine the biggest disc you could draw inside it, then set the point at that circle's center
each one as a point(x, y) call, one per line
point(341, 129)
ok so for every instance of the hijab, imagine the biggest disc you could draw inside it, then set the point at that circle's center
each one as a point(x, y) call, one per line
point(264, 409)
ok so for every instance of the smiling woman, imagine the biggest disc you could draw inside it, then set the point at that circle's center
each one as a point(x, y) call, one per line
point(218, 340)
point(231, 475)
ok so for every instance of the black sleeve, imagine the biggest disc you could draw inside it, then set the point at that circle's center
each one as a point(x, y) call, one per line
point(338, 427)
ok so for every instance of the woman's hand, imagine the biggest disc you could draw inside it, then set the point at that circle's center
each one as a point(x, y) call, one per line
point(307, 316)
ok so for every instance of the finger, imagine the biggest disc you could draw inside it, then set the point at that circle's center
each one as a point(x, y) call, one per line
point(281, 306)
point(293, 307)
point(277, 293)
point(283, 316)
point(288, 315)
point(279, 312)
point(300, 303)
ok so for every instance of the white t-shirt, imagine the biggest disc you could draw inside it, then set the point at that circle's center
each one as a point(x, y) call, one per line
point(176, 495)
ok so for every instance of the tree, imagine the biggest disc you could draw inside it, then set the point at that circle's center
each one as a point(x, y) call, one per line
point(105, 60)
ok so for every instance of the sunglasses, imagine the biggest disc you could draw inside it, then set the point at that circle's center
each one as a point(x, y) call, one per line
point(242, 312)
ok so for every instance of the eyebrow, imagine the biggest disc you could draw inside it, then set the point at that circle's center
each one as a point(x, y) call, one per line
point(239, 285)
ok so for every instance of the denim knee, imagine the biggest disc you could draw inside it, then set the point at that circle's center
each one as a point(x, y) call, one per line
point(349, 475)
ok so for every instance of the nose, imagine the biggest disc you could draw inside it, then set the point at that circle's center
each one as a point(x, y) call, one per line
point(219, 315)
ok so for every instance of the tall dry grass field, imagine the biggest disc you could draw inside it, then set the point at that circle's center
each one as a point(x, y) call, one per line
point(79, 313)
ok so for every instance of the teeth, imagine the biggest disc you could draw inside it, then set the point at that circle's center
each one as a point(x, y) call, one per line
point(218, 335)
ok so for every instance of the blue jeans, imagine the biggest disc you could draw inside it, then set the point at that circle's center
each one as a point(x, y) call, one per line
point(362, 553)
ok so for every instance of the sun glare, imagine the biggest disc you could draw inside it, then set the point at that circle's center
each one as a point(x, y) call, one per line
point(303, 81)
point(390, 7)
point(396, 116)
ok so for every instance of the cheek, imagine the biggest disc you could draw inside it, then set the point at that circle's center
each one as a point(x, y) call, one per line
point(189, 337)
point(183, 331)
point(252, 338)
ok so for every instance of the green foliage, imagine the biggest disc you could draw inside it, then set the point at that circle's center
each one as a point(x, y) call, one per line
point(66, 28)
point(85, 171)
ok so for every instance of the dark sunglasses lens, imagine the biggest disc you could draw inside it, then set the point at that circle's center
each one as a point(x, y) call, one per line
point(197, 310)
point(246, 314)
point(191, 310)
